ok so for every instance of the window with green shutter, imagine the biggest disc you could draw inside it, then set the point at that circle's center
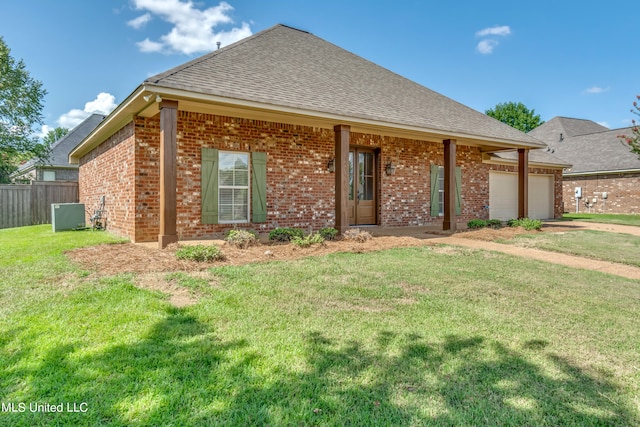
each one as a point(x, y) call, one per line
point(437, 190)
point(226, 187)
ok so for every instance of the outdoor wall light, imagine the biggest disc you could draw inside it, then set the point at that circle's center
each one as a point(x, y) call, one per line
point(331, 165)
point(390, 169)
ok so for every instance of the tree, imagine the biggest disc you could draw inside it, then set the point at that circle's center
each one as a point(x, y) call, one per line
point(20, 110)
point(633, 140)
point(53, 135)
point(516, 115)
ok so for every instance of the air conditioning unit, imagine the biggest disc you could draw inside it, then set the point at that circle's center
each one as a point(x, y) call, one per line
point(67, 216)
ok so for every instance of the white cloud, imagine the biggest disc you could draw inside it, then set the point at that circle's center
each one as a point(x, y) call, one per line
point(503, 30)
point(103, 104)
point(605, 124)
point(193, 29)
point(486, 47)
point(596, 89)
point(140, 21)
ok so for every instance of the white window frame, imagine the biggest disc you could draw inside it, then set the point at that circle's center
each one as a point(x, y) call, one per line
point(239, 187)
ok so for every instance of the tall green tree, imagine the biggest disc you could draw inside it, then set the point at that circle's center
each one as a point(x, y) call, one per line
point(53, 135)
point(633, 140)
point(20, 111)
point(516, 115)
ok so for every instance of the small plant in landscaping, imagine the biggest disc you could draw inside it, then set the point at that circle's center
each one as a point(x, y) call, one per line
point(494, 223)
point(305, 242)
point(526, 223)
point(328, 233)
point(200, 253)
point(241, 239)
point(476, 223)
point(285, 234)
point(357, 235)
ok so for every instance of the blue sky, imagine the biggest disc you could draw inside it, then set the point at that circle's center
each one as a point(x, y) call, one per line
point(558, 57)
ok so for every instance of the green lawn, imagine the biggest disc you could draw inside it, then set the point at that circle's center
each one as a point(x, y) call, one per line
point(614, 247)
point(622, 219)
point(416, 336)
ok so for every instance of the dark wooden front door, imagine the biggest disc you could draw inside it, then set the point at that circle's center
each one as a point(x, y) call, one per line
point(362, 186)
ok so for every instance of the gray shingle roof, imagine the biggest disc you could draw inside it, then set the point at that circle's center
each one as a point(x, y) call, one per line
point(59, 154)
point(285, 67)
point(588, 146)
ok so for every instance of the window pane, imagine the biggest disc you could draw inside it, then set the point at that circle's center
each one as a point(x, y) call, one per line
point(226, 196)
point(240, 213)
point(226, 177)
point(241, 178)
point(241, 161)
point(226, 160)
point(225, 213)
point(241, 197)
point(368, 188)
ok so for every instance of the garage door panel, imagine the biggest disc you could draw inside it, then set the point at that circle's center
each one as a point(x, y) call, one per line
point(503, 196)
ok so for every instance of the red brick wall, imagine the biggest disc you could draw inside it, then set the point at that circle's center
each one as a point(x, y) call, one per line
point(623, 193)
point(300, 190)
point(109, 171)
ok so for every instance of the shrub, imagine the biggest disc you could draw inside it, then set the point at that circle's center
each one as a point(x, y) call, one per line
point(305, 242)
point(476, 223)
point(328, 233)
point(285, 234)
point(200, 253)
point(357, 235)
point(241, 238)
point(494, 223)
point(526, 223)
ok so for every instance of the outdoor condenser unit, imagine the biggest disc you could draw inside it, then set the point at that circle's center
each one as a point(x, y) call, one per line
point(67, 216)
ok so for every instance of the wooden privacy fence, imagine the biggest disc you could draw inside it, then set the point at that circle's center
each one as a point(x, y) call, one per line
point(30, 204)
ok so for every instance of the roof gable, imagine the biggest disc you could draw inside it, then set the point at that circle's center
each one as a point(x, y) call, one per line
point(285, 67)
point(587, 146)
point(59, 150)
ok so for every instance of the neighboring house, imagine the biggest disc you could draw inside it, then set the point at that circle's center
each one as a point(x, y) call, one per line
point(57, 167)
point(283, 129)
point(605, 170)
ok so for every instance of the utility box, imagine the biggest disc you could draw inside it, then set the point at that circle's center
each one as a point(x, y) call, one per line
point(67, 216)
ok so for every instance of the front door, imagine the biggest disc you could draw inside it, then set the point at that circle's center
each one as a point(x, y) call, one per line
point(362, 186)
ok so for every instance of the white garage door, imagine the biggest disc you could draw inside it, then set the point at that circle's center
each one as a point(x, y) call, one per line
point(503, 196)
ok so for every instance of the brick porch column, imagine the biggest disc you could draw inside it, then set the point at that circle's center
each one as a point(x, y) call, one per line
point(168, 172)
point(523, 182)
point(449, 222)
point(342, 138)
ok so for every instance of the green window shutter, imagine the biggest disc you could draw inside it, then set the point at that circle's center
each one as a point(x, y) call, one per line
point(458, 190)
point(209, 185)
point(258, 187)
point(435, 203)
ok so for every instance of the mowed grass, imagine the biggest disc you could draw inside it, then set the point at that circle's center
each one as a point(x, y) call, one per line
point(622, 219)
point(614, 247)
point(419, 336)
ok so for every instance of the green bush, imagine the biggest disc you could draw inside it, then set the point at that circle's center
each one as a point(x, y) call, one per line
point(200, 253)
point(305, 242)
point(328, 233)
point(476, 223)
point(526, 223)
point(241, 238)
point(494, 223)
point(285, 234)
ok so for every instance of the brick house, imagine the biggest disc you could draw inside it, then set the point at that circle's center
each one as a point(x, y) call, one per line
point(605, 170)
point(285, 129)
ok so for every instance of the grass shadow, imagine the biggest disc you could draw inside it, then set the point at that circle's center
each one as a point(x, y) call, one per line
point(181, 373)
